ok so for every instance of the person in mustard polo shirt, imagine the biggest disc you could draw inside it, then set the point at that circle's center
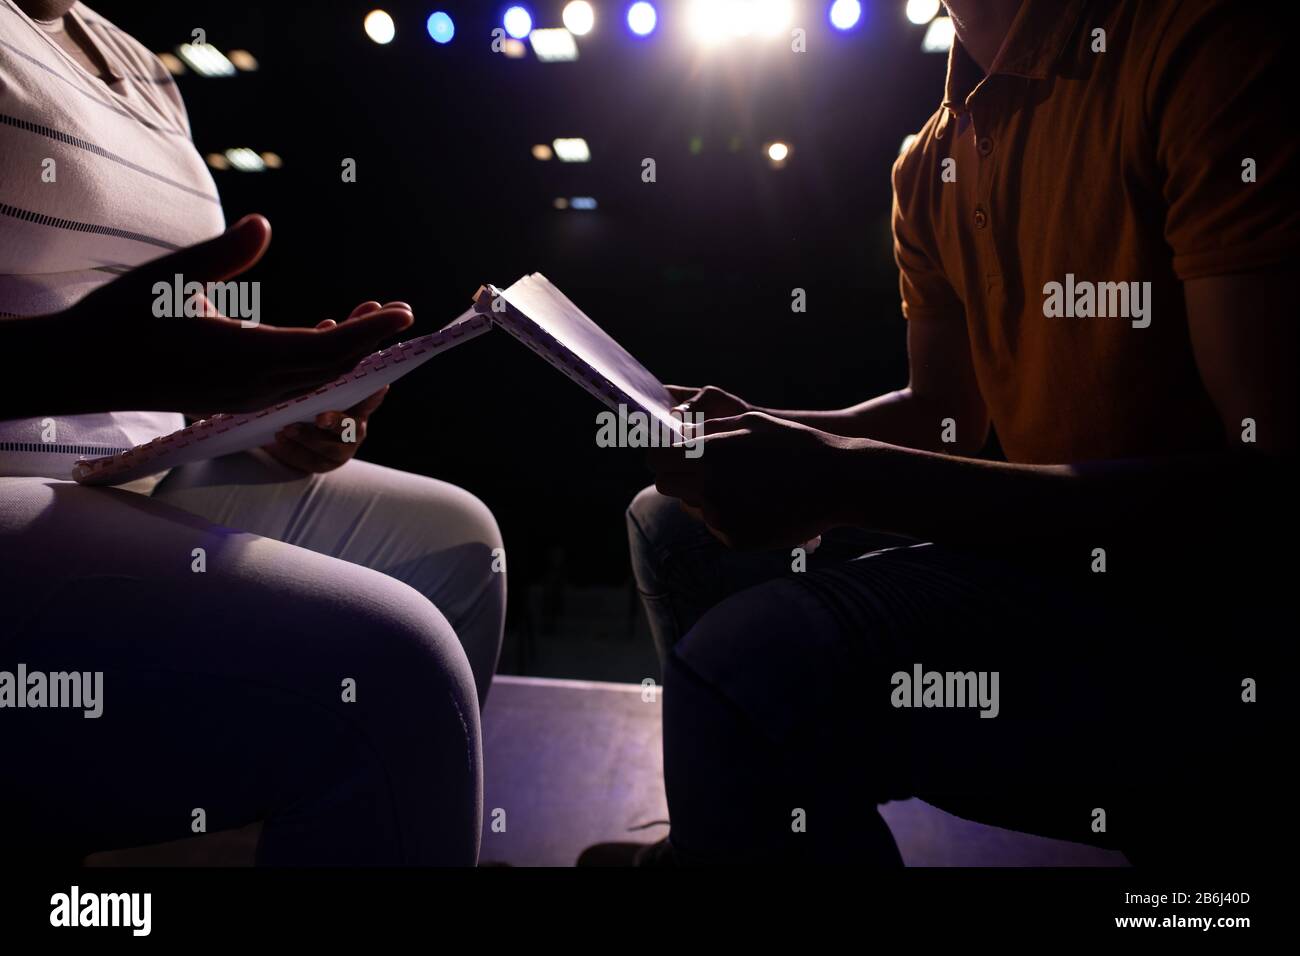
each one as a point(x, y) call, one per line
point(1096, 241)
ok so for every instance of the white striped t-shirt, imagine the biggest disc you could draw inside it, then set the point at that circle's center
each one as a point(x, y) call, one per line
point(96, 178)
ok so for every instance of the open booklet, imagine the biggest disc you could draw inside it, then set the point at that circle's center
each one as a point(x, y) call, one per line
point(532, 310)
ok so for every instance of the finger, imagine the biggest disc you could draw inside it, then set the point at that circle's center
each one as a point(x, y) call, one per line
point(353, 339)
point(366, 407)
point(398, 304)
point(683, 394)
point(365, 308)
point(293, 455)
point(234, 251)
point(326, 324)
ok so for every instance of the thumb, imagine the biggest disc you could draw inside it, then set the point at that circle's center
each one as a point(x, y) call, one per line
point(234, 251)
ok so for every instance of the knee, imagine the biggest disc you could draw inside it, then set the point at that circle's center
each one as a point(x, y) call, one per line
point(656, 525)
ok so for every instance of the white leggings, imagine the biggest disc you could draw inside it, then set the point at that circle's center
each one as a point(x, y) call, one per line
point(319, 665)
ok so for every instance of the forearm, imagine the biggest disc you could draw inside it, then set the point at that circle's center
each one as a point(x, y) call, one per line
point(900, 418)
point(972, 502)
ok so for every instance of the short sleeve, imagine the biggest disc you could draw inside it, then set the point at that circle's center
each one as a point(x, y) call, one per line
point(923, 286)
point(1214, 102)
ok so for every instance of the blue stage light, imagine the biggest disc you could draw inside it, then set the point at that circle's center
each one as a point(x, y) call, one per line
point(642, 18)
point(441, 27)
point(518, 22)
point(845, 14)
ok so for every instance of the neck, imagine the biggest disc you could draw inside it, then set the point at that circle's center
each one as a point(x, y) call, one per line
point(45, 9)
point(982, 25)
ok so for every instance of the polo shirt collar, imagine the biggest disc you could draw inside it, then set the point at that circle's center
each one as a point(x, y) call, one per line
point(1032, 49)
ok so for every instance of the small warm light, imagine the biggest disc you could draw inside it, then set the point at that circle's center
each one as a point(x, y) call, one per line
point(938, 38)
point(578, 17)
point(217, 161)
point(543, 152)
point(642, 18)
point(173, 63)
point(560, 203)
point(778, 152)
point(243, 60)
point(845, 14)
point(572, 150)
point(514, 49)
point(518, 22)
point(922, 11)
point(272, 160)
point(380, 27)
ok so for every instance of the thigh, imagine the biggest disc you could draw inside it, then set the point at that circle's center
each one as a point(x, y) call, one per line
point(833, 668)
point(239, 676)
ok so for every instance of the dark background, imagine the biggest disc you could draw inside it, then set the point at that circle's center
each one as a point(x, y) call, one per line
point(692, 273)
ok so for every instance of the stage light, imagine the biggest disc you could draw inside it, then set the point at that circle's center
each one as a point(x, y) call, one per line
point(938, 38)
point(272, 160)
point(709, 21)
point(845, 14)
point(518, 22)
point(514, 49)
point(578, 17)
point(205, 59)
point(921, 12)
point(217, 161)
point(380, 27)
point(572, 150)
point(243, 60)
point(772, 17)
point(641, 18)
point(582, 202)
point(245, 160)
point(543, 152)
point(560, 202)
point(173, 63)
point(440, 27)
point(553, 46)
point(778, 152)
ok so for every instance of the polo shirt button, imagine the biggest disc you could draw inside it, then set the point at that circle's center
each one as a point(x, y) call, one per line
point(981, 217)
point(985, 145)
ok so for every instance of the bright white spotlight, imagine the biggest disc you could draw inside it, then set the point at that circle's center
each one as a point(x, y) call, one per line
point(380, 27)
point(205, 59)
point(922, 11)
point(938, 38)
point(518, 22)
point(778, 152)
point(641, 18)
point(708, 20)
point(845, 14)
point(553, 46)
point(772, 17)
point(572, 150)
point(245, 160)
point(578, 17)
